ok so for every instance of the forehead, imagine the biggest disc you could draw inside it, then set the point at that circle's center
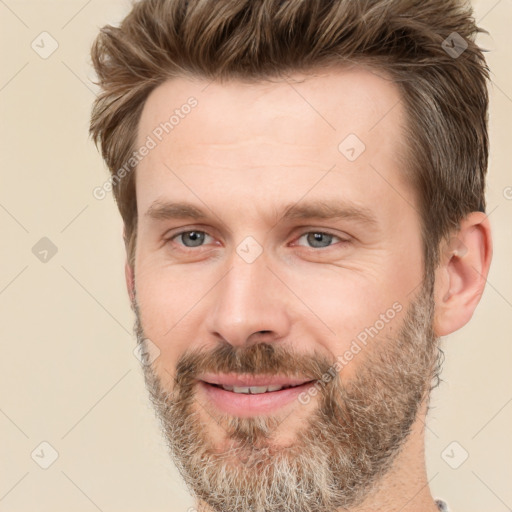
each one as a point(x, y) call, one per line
point(330, 101)
point(287, 129)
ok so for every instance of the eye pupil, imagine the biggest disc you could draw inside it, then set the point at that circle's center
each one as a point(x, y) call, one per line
point(319, 239)
point(196, 237)
point(315, 239)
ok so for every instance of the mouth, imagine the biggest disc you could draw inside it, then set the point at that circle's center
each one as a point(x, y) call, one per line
point(247, 396)
point(253, 390)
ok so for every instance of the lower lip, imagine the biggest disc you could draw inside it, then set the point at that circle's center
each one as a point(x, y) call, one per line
point(246, 405)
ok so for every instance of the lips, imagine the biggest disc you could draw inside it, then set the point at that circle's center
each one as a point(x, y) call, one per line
point(247, 396)
point(252, 390)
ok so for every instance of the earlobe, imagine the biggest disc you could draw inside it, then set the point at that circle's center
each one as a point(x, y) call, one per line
point(461, 277)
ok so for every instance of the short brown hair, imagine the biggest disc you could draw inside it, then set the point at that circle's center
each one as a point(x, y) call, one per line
point(445, 94)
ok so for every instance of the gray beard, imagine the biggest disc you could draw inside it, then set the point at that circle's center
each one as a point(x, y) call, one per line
point(339, 454)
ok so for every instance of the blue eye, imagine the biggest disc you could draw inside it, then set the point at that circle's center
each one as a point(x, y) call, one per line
point(318, 239)
point(314, 239)
point(191, 238)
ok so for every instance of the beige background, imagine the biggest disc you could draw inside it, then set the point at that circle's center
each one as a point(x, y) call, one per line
point(68, 375)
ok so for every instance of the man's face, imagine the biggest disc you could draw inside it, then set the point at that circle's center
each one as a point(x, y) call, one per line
point(271, 286)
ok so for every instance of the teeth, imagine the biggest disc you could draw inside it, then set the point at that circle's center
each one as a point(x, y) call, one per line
point(256, 390)
point(240, 390)
point(275, 388)
point(253, 390)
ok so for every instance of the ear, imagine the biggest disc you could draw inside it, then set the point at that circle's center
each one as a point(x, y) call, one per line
point(462, 273)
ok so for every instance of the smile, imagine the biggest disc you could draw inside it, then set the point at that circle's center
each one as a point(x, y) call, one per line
point(246, 396)
point(254, 390)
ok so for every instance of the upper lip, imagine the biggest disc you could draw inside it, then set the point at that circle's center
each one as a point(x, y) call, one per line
point(252, 380)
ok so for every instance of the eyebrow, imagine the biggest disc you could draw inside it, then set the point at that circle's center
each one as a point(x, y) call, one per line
point(322, 210)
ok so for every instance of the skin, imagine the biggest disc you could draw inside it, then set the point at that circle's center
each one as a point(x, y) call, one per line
point(243, 154)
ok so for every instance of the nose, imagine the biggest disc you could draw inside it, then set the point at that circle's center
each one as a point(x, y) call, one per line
point(249, 304)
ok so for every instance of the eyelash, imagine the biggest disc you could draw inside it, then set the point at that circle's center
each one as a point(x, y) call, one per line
point(184, 247)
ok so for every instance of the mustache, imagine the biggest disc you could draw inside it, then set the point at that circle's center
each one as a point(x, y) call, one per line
point(257, 359)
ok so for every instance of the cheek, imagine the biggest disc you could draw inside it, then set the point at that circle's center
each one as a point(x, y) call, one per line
point(328, 307)
point(346, 307)
point(167, 298)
